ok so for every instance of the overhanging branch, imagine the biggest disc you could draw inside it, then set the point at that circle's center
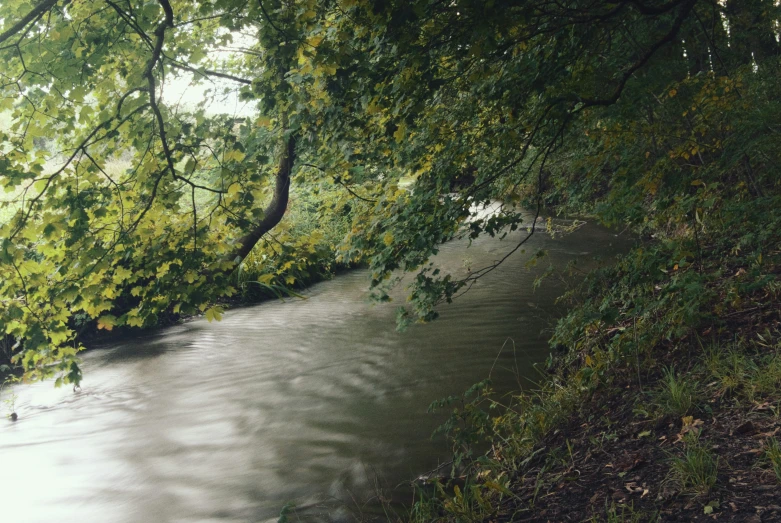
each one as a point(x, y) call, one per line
point(278, 205)
point(36, 13)
point(667, 38)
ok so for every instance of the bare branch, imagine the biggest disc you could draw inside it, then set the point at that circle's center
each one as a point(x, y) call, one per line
point(340, 182)
point(208, 72)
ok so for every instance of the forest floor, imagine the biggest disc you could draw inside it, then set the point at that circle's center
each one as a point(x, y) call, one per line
point(611, 461)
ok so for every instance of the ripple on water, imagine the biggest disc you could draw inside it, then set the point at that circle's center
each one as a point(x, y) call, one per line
point(303, 400)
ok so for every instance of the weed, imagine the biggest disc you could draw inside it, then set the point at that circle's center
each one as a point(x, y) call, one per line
point(622, 514)
point(695, 471)
point(677, 396)
point(467, 504)
point(10, 401)
point(732, 368)
point(534, 415)
point(598, 443)
point(773, 455)
point(737, 372)
point(767, 380)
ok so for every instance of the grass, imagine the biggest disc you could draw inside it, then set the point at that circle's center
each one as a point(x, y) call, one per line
point(731, 369)
point(773, 455)
point(622, 514)
point(745, 371)
point(677, 394)
point(695, 471)
point(545, 442)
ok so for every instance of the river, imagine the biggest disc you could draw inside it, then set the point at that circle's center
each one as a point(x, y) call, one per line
point(316, 401)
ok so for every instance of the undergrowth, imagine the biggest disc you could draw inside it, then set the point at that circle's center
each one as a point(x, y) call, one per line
point(694, 470)
point(773, 455)
point(672, 354)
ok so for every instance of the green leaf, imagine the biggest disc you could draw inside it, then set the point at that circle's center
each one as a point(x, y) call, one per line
point(214, 313)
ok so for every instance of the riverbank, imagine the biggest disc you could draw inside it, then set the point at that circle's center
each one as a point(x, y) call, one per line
point(662, 402)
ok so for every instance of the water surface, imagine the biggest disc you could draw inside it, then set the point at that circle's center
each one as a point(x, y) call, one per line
point(315, 401)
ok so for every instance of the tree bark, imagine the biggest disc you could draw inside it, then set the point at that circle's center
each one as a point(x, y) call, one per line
point(278, 205)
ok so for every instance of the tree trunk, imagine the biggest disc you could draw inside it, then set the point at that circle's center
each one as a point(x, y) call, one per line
point(278, 205)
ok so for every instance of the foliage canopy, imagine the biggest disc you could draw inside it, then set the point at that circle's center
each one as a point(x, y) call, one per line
point(123, 203)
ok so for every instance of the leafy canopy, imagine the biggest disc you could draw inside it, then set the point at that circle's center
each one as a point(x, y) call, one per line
point(122, 203)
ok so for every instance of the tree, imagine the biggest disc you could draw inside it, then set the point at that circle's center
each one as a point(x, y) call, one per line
point(484, 95)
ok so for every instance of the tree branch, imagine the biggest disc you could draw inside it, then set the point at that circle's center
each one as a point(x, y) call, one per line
point(270, 21)
point(676, 27)
point(150, 77)
point(208, 72)
point(338, 180)
point(278, 205)
point(36, 13)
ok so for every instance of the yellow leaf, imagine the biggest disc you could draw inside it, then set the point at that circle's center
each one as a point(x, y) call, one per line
point(266, 278)
point(135, 321)
point(373, 108)
point(107, 322)
point(400, 132)
point(58, 337)
point(235, 156)
point(121, 274)
point(163, 269)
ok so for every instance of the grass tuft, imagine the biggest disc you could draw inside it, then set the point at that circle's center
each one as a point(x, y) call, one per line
point(622, 514)
point(695, 471)
point(677, 395)
point(773, 455)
